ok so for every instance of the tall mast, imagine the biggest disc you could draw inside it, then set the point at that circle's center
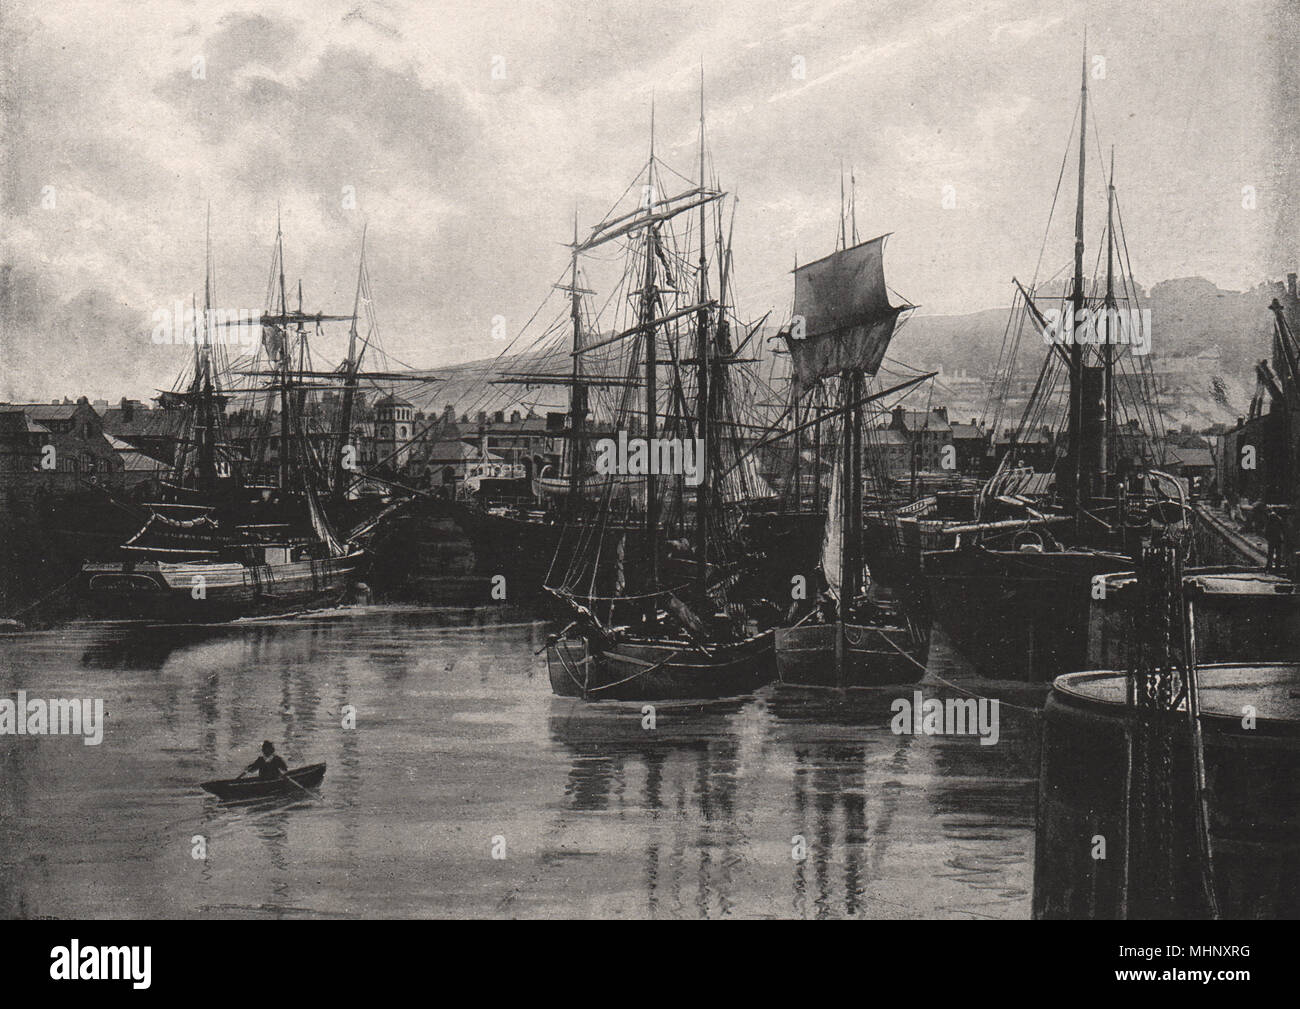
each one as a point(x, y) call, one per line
point(798, 438)
point(702, 364)
point(853, 201)
point(300, 404)
point(202, 425)
point(651, 372)
point(284, 362)
point(843, 239)
point(1108, 348)
point(850, 509)
point(1078, 492)
point(350, 379)
point(203, 379)
point(577, 391)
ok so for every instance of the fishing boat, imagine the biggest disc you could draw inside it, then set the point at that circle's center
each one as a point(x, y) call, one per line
point(247, 522)
point(243, 789)
point(657, 576)
point(849, 635)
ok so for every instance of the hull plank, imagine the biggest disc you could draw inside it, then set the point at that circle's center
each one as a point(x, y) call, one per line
point(206, 593)
point(635, 670)
point(873, 655)
point(1014, 615)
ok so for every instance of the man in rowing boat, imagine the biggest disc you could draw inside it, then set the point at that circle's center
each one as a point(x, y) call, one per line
point(270, 764)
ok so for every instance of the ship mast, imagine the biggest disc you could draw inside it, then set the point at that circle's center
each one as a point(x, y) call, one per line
point(284, 363)
point(203, 375)
point(350, 367)
point(648, 295)
point(300, 406)
point(1108, 348)
point(702, 365)
point(1075, 445)
point(577, 391)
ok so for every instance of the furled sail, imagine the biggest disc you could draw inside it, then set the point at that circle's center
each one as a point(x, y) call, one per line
point(173, 538)
point(841, 306)
point(321, 524)
point(833, 536)
point(273, 341)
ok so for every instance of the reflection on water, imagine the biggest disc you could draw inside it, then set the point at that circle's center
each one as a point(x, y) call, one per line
point(460, 747)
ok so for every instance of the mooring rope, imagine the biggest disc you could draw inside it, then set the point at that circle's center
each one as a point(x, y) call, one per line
point(45, 597)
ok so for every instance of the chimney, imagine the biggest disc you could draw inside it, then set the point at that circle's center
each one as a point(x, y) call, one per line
point(1290, 284)
point(128, 410)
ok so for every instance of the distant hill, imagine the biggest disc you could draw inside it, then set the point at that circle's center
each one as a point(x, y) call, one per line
point(1189, 317)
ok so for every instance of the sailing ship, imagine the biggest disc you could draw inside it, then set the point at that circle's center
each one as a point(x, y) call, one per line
point(1013, 593)
point(1150, 748)
point(849, 635)
point(532, 538)
point(655, 572)
point(1244, 612)
point(247, 522)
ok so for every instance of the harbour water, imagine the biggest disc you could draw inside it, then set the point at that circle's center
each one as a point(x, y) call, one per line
point(466, 789)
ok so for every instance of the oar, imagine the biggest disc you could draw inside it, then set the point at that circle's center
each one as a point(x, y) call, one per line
point(285, 774)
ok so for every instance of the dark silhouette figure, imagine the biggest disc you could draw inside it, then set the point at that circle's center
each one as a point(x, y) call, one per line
point(270, 764)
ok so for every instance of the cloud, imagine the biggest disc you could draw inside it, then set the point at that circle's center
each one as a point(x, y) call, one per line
point(468, 180)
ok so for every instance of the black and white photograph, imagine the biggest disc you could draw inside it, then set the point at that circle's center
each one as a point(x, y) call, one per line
point(782, 459)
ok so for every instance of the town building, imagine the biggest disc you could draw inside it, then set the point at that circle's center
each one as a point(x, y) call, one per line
point(54, 449)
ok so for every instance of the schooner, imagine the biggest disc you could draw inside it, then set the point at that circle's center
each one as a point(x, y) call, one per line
point(654, 569)
point(251, 522)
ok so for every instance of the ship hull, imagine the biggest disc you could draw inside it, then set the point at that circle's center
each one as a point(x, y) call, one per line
point(529, 550)
point(213, 593)
point(643, 669)
point(872, 654)
point(1017, 615)
point(790, 544)
point(520, 548)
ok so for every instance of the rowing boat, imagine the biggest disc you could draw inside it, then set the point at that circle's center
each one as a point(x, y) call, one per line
point(244, 789)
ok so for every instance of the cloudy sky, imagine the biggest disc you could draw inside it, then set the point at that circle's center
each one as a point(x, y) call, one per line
point(470, 132)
